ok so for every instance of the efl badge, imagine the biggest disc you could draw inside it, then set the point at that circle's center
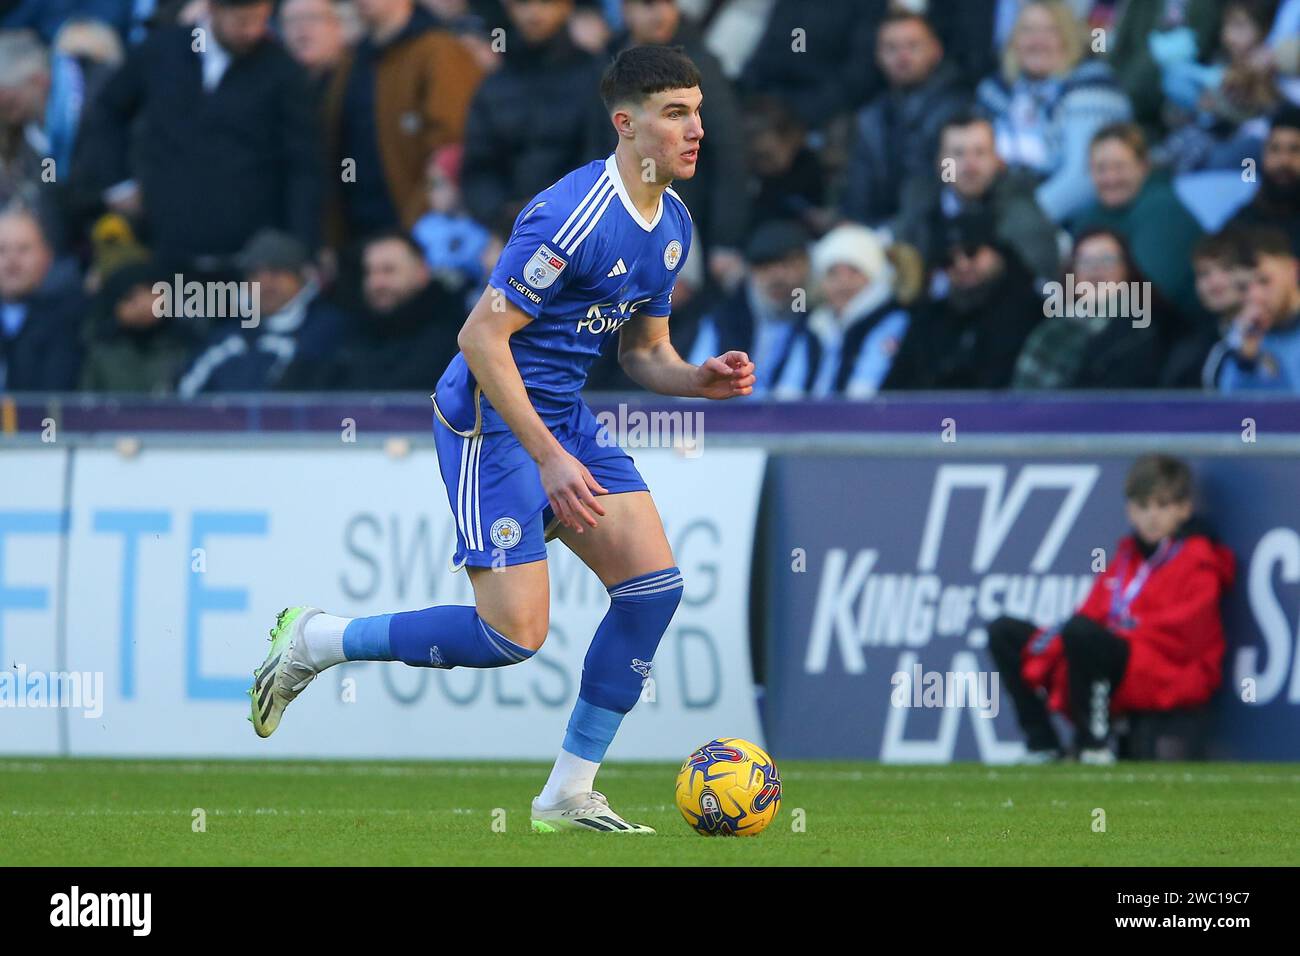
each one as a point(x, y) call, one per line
point(506, 533)
point(672, 255)
point(543, 268)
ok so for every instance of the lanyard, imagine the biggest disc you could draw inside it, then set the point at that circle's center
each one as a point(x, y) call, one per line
point(1125, 594)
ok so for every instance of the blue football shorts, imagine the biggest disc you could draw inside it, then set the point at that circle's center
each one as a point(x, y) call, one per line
point(495, 490)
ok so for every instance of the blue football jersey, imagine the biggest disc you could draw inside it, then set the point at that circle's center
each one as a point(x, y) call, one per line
point(582, 261)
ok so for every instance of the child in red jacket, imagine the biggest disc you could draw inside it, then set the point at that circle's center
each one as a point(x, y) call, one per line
point(1149, 636)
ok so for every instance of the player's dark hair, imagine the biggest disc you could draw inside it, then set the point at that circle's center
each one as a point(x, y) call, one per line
point(1159, 475)
point(642, 71)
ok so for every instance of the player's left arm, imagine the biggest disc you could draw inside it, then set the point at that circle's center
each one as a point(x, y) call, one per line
point(647, 356)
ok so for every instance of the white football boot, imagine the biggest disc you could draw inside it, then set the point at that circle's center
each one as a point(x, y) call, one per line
point(586, 812)
point(284, 673)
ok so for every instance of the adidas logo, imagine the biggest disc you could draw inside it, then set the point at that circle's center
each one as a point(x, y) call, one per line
point(618, 270)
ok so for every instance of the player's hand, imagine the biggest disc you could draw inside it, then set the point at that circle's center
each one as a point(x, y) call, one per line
point(725, 376)
point(569, 488)
point(1250, 327)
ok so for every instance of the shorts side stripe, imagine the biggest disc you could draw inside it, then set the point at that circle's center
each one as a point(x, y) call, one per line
point(478, 523)
point(460, 490)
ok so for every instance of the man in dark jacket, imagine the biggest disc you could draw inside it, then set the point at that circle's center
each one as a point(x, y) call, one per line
point(228, 140)
point(406, 336)
point(970, 337)
point(718, 204)
point(534, 119)
point(1277, 204)
point(970, 177)
point(897, 133)
point(41, 309)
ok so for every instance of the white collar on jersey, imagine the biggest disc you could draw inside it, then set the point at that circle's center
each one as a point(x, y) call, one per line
point(611, 169)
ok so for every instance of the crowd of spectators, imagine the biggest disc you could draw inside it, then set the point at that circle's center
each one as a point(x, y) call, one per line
point(891, 195)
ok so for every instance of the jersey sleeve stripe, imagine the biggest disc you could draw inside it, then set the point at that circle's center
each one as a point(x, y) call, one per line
point(591, 223)
point(593, 196)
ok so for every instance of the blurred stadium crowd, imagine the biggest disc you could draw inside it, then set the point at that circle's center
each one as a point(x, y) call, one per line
point(886, 195)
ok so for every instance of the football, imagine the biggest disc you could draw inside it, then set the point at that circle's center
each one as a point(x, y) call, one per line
point(728, 787)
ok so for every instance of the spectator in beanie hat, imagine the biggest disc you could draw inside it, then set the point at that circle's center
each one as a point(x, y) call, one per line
point(133, 346)
point(851, 339)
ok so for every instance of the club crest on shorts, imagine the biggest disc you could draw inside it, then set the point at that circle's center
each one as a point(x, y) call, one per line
point(543, 268)
point(672, 255)
point(506, 533)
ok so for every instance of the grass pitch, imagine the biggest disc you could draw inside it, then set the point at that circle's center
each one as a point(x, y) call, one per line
point(131, 812)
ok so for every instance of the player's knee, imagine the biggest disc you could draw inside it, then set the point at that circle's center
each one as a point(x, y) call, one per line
point(527, 632)
point(1077, 632)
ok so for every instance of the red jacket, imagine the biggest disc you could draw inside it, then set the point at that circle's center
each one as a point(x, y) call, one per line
point(1174, 629)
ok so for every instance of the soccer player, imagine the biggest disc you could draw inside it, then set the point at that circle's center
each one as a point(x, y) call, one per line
point(525, 460)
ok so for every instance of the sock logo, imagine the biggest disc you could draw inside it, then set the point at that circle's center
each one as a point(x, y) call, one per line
point(435, 657)
point(642, 667)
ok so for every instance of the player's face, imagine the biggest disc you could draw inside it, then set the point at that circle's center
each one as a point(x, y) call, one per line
point(668, 129)
point(1157, 517)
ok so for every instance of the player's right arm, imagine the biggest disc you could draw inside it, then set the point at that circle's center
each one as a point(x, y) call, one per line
point(484, 340)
